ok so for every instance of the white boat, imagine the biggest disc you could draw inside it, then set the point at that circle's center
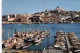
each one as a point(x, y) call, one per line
point(43, 36)
point(17, 47)
point(38, 40)
point(38, 43)
point(25, 46)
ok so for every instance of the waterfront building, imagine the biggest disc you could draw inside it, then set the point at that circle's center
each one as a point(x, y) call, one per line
point(47, 16)
point(5, 18)
point(35, 19)
point(11, 17)
point(76, 19)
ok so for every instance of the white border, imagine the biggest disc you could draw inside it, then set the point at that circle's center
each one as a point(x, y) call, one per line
point(0, 26)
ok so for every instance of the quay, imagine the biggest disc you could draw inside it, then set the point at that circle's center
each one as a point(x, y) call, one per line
point(19, 51)
point(15, 22)
point(7, 22)
point(68, 43)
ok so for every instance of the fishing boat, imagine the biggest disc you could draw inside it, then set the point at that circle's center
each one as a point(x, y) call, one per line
point(38, 43)
point(22, 40)
point(27, 45)
point(17, 47)
point(28, 41)
point(60, 40)
point(37, 40)
point(23, 46)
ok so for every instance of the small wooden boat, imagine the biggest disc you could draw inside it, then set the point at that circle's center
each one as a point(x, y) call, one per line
point(23, 46)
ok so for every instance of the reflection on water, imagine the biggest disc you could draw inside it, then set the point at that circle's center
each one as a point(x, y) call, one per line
point(53, 28)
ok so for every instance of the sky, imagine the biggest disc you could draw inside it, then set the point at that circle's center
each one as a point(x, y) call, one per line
point(33, 6)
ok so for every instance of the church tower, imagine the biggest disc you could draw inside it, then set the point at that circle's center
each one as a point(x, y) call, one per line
point(57, 7)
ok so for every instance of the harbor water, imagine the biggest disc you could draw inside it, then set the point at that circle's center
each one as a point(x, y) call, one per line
point(53, 28)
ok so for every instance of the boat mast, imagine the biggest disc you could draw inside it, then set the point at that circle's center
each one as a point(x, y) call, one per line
point(8, 33)
point(47, 27)
point(15, 30)
point(22, 29)
point(19, 28)
point(38, 28)
point(2, 31)
point(47, 41)
point(47, 44)
point(43, 28)
point(29, 27)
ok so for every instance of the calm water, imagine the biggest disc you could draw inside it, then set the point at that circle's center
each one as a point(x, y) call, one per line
point(53, 28)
